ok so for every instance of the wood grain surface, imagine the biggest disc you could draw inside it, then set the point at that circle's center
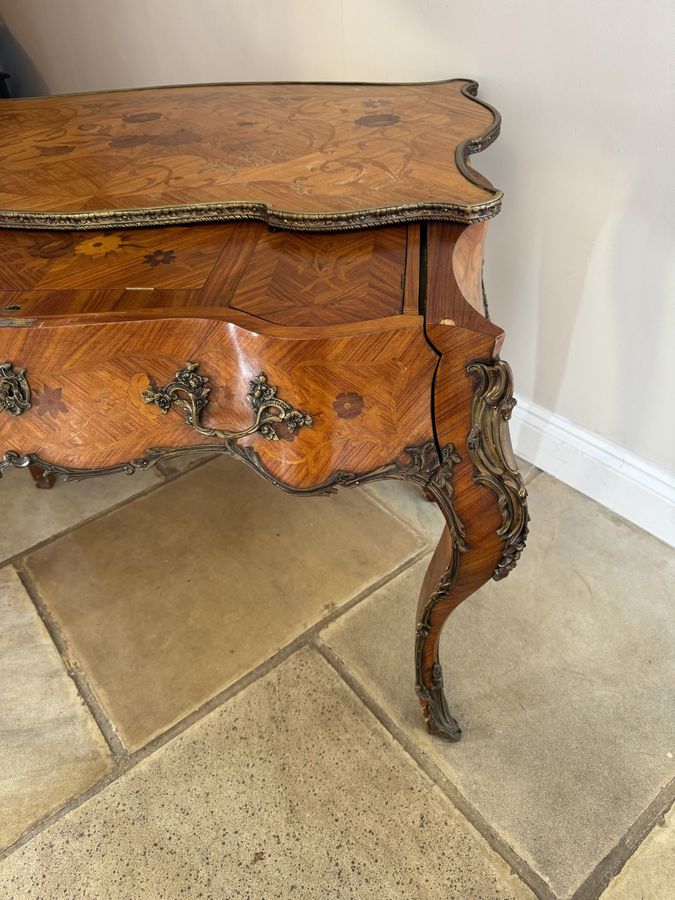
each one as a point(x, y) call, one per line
point(369, 330)
point(369, 397)
point(461, 335)
point(282, 277)
point(297, 155)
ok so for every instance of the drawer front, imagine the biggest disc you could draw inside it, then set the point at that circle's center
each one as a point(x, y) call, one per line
point(307, 405)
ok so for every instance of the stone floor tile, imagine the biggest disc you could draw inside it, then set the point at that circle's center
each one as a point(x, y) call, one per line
point(169, 599)
point(561, 676)
point(650, 873)
point(292, 789)
point(407, 501)
point(36, 515)
point(183, 462)
point(50, 747)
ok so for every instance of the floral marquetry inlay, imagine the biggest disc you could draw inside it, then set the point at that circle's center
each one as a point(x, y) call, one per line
point(299, 156)
point(316, 250)
point(48, 402)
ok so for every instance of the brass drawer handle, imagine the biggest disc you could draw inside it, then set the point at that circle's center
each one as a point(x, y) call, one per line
point(189, 391)
point(14, 390)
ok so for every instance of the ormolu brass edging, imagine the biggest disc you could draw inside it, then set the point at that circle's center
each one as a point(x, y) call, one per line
point(327, 221)
point(479, 143)
point(231, 212)
point(470, 87)
point(421, 458)
point(494, 464)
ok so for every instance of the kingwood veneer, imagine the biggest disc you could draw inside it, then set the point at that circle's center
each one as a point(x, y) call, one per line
point(305, 294)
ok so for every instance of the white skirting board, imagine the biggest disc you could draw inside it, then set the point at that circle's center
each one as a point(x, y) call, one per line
point(629, 485)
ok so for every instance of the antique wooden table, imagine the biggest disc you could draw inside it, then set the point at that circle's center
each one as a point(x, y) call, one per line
point(286, 273)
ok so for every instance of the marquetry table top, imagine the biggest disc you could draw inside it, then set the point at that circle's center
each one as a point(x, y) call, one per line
point(299, 156)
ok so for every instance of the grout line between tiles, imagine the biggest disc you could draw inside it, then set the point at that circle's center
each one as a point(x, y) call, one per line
point(612, 864)
point(516, 863)
point(124, 761)
point(598, 880)
point(73, 668)
point(157, 484)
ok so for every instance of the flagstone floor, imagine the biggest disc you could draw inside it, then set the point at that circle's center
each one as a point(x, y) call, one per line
point(206, 690)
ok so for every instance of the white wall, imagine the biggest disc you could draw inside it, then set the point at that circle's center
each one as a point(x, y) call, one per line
point(580, 263)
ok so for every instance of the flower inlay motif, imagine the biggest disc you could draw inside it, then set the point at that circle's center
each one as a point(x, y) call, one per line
point(159, 257)
point(348, 405)
point(99, 245)
point(49, 402)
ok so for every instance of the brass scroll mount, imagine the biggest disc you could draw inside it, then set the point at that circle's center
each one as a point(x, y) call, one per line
point(491, 453)
point(189, 390)
point(14, 390)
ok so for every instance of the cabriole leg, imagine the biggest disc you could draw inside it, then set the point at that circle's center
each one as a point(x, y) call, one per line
point(434, 604)
point(486, 528)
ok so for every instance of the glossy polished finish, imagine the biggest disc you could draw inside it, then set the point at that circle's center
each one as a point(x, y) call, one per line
point(295, 155)
point(320, 359)
point(282, 277)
